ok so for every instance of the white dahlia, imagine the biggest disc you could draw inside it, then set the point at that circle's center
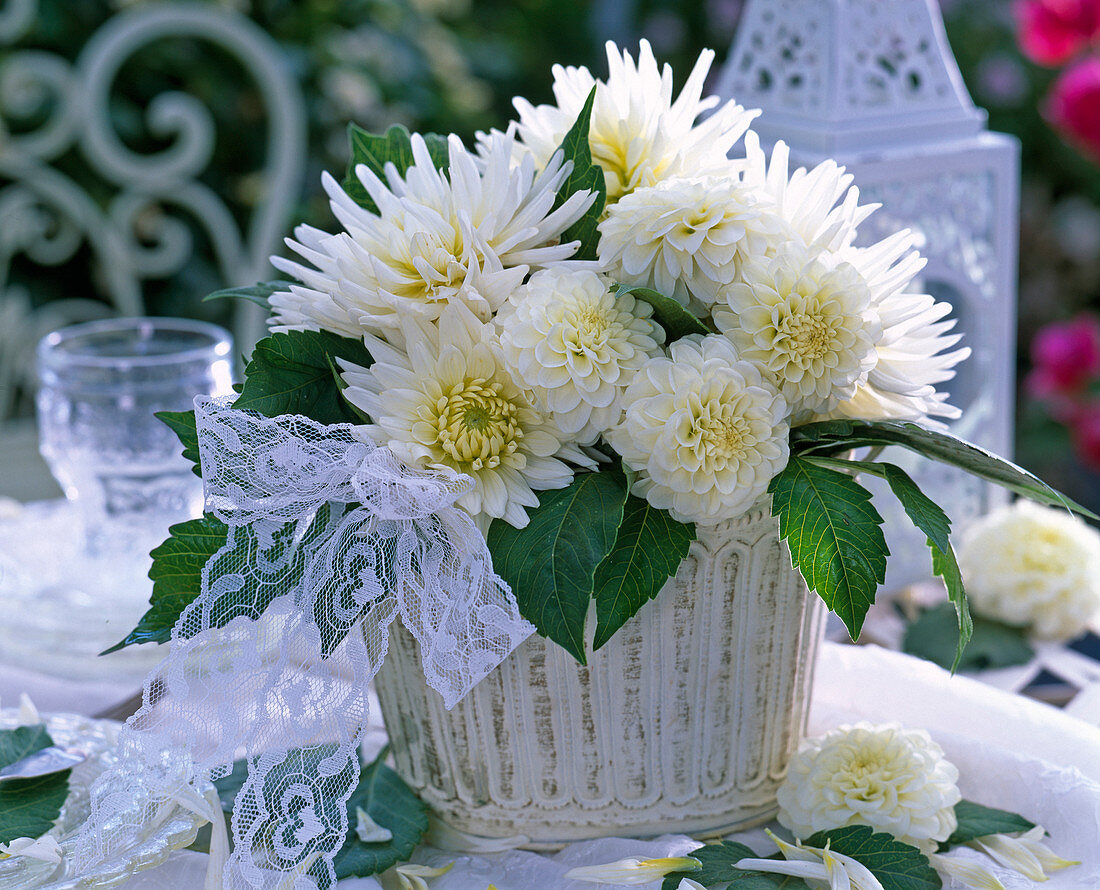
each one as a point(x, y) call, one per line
point(820, 209)
point(638, 134)
point(1035, 566)
point(447, 402)
point(809, 327)
point(686, 238)
point(892, 779)
point(469, 235)
point(576, 346)
point(704, 431)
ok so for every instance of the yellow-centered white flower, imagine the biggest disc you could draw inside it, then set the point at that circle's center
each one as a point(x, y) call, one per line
point(820, 210)
point(811, 328)
point(892, 779)
point(686, 237)
point(638, 134)
point(470, 235)
point(819, 867)
point(633, 871)
point(703, 430)
point(577, 346)
point(1033, 566)
point(447, 402)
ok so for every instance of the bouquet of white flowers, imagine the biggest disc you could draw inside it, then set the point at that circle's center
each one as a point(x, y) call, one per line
point(514, 383)
point(616, 319)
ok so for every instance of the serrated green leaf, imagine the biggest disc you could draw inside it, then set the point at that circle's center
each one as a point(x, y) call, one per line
point(992, 644)
point(391, 804)
point(975, 821)
point(178, 565)
point(260, 293)
point(946, 565)
point(291, 373)
point(376, 150)
point(831, 437)
point(182, 423)
point(897, 866)
point(834, 535)
point(585, 175)
point(29, 807)
point(176, 573)
point(718, 867)
point(550, 565)
point(649, 547)
point(927, 516)
point(676, 320)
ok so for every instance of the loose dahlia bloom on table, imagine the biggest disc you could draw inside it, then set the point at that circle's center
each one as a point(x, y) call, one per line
point(621, 312)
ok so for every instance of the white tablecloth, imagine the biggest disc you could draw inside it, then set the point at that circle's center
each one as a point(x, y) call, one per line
point(1012, 753)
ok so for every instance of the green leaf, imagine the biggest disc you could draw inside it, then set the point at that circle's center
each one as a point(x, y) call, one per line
point(229, 785)
point(927, 516)
point(648, 549)
point(291, 373)
point(719, 860)
point(177, 577)
point(391, 804)
point(837, 436)
point(992, 645)
point(675, 319)
point(178, 565)
point(946, 565)
point(259, 293)
point(976, 821)
point(897, 866)
point(23, 741)
point(29, 807)
point(550, 565)
point(585, 175)
point(376, 150)
point(834, 535)
point(182, 423)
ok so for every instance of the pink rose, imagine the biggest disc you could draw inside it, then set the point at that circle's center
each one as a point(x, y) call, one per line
point(1065, 357)
point(1073, 106)
point(1086, 435)
point(1051, 32)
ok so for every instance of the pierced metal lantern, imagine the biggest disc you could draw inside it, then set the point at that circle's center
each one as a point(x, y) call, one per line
point(873, 84)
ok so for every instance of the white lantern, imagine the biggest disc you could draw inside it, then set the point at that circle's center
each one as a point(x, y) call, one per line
point(874, 85)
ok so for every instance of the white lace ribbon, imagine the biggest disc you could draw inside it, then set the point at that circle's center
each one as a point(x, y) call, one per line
point(330, 539)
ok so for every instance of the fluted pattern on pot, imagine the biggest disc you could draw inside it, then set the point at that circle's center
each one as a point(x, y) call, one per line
point(684, 721)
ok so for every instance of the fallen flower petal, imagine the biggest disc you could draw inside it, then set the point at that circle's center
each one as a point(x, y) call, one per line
point(967, 873)
point(633, 871)
point(45, 848)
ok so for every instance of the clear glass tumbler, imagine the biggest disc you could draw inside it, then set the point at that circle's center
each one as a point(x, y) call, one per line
point(100, 386)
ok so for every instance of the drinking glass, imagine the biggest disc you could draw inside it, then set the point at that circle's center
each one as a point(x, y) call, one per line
point(100, 386)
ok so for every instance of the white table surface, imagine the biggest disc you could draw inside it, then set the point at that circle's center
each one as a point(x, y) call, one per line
point(1012, 752)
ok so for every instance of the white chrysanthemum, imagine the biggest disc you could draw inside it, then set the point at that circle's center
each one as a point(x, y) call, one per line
point(1033, 565)
point(577, 346)
point(638, 134)
point(469, 235)
point(447, 402)
point(809, 327)
point(686, 238)
point(892, 779)
point(820, 209)
point(705, 432)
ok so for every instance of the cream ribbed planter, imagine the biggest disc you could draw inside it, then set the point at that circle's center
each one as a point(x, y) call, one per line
point(683, 722)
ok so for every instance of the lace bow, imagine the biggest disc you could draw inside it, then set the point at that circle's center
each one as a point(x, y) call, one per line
point(329, 539)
